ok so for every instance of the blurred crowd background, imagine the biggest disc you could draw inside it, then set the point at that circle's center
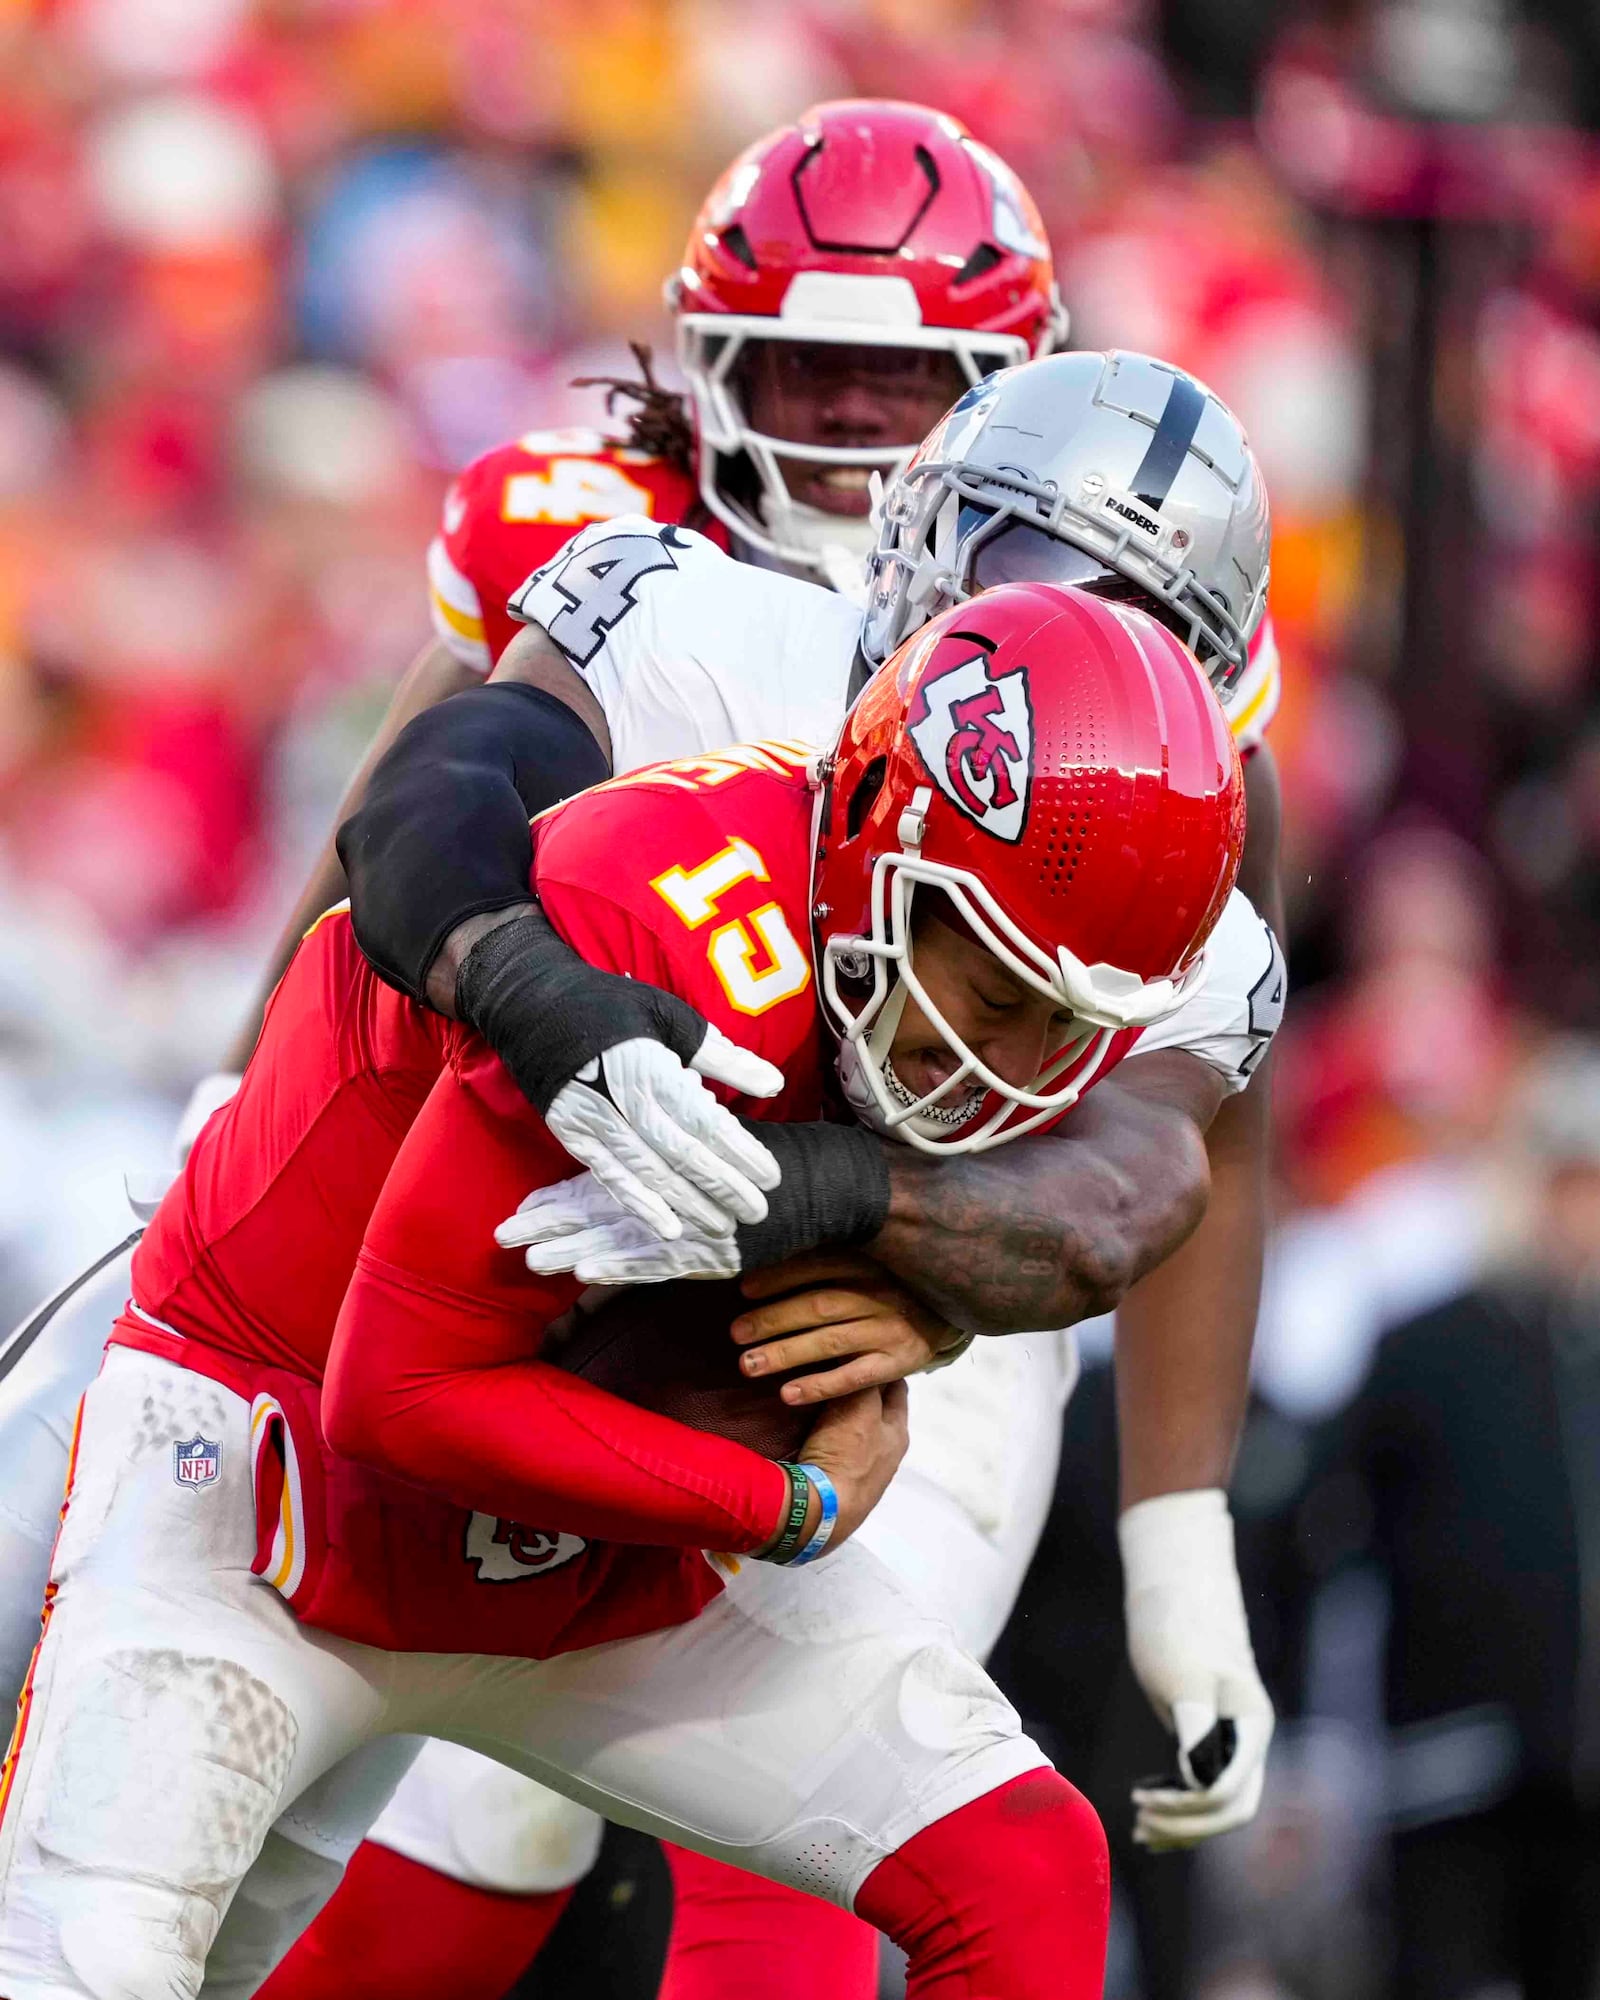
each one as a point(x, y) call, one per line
point(270, 270)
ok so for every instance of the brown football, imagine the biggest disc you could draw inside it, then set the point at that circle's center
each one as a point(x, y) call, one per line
point(666, 1348)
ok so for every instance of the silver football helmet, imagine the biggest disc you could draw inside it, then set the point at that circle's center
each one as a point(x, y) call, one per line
point(1114, 471)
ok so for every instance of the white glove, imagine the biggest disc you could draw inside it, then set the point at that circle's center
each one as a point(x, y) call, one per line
point(1189, 1642)
point(652, 1134)
point(576, 1226)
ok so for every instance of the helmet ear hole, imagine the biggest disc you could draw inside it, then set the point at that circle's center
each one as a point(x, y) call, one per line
point(864, 797)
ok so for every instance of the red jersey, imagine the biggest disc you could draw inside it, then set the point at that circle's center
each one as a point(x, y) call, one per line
point(516, 507)
point(336, 1219)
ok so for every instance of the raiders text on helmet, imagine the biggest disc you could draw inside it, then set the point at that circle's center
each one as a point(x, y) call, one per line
point(1113, 471)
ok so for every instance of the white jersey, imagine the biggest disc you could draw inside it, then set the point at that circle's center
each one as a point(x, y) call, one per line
point(688, 649)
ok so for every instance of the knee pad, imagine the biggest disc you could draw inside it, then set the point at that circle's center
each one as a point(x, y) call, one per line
point(284, 1890)
point(146, 1812)
point(472, 1819)
point(135, 1941)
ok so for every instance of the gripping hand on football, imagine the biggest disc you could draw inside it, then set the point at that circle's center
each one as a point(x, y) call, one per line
point(859, 1442)
point(841, 1308)
point(1189, 1642)
point(615, 1066)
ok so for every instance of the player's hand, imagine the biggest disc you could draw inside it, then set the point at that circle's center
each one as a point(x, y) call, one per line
point(859, 1442)
point(615, 1067)
point(1189, 1642)
point(656, 1139)
point(834, 1188)
point(577, 1226)
point(851, 1312)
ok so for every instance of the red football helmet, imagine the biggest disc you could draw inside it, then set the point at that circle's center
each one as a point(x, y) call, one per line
point(1058, 767)
point(871, 224)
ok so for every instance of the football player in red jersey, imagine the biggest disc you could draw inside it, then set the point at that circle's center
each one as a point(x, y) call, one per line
point(851, 382)
point(805, 1728)
point(970, 304)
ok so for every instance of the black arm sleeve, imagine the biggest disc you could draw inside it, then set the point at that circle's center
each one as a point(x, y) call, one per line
point(442, 833)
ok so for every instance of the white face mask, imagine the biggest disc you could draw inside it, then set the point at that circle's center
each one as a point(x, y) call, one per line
point(1102, 1000)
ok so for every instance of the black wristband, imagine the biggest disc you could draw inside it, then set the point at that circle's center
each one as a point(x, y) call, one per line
point(547, 1013)
point(835, 1189)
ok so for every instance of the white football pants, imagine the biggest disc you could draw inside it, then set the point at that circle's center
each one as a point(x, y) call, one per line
point(804, 1726)
point(958, 1526)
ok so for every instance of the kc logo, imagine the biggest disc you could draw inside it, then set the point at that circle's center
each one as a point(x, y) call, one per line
point(975, 735)
point(505, 1551)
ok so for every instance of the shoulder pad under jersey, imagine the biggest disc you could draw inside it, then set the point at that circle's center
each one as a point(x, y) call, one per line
point(513, 508)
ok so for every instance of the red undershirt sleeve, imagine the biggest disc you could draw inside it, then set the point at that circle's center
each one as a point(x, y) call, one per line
point(433, 1375)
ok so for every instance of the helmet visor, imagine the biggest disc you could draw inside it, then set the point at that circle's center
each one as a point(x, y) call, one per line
point(1019, 552)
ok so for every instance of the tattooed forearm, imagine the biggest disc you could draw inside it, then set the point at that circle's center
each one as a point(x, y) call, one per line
point(1052, 1230)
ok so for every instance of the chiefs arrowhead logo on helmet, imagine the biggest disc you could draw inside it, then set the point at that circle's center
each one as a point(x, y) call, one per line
point(974, 733)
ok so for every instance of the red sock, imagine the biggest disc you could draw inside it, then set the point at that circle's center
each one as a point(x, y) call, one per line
point(739, 1937)
point(1008, 1898)
point(396, 1930)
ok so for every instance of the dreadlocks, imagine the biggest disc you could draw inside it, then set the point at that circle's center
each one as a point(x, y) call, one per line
point(660, 425)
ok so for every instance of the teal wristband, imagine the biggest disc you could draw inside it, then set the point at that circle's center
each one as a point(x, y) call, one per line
point(793, 1530)
point(828, 1494)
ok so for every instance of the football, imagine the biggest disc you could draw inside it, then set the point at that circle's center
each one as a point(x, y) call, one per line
point(666, 1348)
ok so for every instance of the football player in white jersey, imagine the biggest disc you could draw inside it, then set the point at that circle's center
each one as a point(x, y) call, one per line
point(662, 709)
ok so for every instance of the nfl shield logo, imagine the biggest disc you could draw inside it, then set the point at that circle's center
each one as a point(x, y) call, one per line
point(196, 1462)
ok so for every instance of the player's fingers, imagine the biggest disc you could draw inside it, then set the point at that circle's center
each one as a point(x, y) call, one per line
point(1160, 1825)
point(1243, 1769)
point(630, 1192)
point(1252, 1739)
point(620, 1151)
point(674, 1141)
point(804, 1350)
point(679, 1115)
point(565, 1253)
point(804, 1310)
point(655, 1263)
point(549, 1212)
point(864, 1371)
point(725, 1062)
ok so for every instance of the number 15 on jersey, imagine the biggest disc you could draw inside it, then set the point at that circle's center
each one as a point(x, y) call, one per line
point(757, 958)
